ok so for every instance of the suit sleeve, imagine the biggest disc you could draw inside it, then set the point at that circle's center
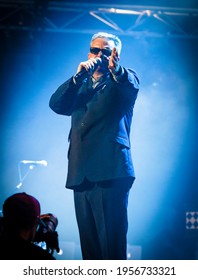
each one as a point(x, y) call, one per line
point(63, 99)
point(127, 85)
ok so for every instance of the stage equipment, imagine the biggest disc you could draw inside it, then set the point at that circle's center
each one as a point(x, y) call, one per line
point(31, 165)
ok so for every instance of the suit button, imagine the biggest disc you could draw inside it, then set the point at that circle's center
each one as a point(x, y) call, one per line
point(82, 124)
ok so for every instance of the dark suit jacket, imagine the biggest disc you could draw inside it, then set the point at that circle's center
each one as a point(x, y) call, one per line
point(100, 127)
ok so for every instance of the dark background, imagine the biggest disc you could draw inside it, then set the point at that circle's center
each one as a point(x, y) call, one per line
point(36, 57)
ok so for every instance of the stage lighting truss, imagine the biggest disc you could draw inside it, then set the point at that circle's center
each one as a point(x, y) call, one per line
point(129, 20)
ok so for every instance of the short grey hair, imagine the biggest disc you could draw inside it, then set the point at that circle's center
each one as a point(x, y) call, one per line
point(109, 37)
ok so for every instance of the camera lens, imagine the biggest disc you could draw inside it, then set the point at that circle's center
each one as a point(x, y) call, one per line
point(50, 221)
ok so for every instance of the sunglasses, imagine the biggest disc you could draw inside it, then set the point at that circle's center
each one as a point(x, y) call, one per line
point(106, 52)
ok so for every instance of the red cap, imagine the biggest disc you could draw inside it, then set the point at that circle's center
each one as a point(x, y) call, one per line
point(21, 210)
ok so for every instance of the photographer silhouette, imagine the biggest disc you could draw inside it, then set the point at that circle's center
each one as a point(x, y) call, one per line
point(20, 225)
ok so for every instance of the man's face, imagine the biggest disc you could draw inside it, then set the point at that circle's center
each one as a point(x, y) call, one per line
point(102, 48)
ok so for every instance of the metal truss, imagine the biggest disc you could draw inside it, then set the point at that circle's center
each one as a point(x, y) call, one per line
point(129, 20)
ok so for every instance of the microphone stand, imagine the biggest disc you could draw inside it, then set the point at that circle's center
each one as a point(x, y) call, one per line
point(22, 178)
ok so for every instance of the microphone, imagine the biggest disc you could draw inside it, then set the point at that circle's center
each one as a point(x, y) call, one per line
point(34, 162)
point(83, 73)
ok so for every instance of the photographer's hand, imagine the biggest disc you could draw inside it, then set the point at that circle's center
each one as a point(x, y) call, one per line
point(52, 243)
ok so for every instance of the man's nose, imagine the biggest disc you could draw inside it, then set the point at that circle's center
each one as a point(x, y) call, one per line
point(99, 54)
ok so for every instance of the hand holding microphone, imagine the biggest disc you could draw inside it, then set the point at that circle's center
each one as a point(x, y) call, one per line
point(90, 65)
point(87, 68)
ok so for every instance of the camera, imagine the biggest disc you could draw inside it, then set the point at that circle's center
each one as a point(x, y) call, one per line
point(47, 222)
point(46, 232)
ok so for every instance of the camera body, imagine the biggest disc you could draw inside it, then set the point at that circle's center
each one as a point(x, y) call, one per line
point(46, 232)
point(47, 223)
